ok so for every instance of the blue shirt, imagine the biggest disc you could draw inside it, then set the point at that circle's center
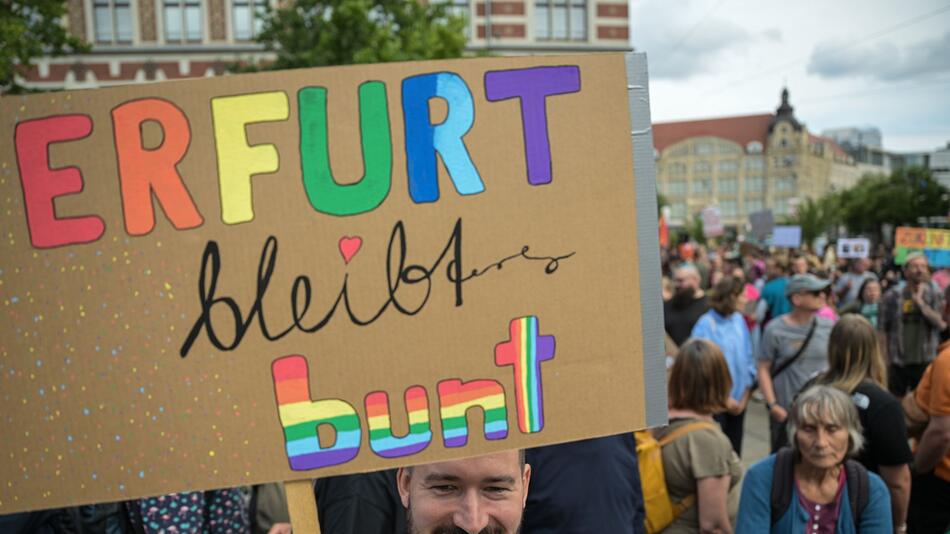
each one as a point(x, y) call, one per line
point(774, 296)
point(732, 336)
point(755, 507)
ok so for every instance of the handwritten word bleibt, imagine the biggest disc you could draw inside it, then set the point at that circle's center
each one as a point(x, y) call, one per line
point(397, 271)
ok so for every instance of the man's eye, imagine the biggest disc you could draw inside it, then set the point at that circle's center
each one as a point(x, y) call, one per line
point(443, 488)
point(497, 490)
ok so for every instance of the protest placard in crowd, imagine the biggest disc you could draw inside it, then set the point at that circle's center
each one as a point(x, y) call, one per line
point(856, 247)
point(787, 236)
point(281, 276)
point(933, 242)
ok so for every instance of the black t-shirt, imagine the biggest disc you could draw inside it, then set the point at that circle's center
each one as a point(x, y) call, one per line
point(366, 503)
point(585, 486)
point(885, 432)
point(680, 321)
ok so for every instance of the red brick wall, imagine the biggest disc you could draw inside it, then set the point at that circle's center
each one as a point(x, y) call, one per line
point(503, 30)
point(613, 32)
point(612, 10)
point(501, 8)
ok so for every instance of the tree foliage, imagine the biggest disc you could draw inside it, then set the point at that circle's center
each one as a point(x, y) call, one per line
point(815, 217)
point(30, 29)
point(313, 33)
point(696, 229)
point(899, 199)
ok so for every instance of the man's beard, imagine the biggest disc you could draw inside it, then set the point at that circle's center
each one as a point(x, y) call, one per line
point(449, 528)
point(682, 297)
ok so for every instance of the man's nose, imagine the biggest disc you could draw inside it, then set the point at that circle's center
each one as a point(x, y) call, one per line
point(471, 516)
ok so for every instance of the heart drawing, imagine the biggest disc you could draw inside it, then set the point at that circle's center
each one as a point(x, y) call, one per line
point(349, 246)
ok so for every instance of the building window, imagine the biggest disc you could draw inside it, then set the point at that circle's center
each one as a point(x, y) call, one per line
point(703, 149)
point(729, 148)
point(183, 21)
point(702, 186)
point(702, 166)
point(727, 208)
point(785, 185)
point(729, 166)
point(247, 18)
point(754, 164)
point(754, 147)
point(113, 21)
point(728, 186)
point(677, 169)
point(753, 205)
point(561, 20)
point(676, 187)
point(754, 184)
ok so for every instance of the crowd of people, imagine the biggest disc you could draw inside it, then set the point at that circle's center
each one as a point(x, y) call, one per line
point(844, 354)
point(851, 360)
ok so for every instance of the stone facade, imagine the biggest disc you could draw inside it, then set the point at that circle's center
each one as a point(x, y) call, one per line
point(747, 164)
point(148, 30)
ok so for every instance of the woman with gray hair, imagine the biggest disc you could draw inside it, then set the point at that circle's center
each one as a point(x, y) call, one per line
point(813, 486)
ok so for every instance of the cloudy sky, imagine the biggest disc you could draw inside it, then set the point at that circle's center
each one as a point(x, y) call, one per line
point(883, 63)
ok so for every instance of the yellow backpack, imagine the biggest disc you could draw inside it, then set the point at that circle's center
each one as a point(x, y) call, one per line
point(661, 511)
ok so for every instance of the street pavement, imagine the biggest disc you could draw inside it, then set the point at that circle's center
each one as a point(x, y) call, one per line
point(755, 439)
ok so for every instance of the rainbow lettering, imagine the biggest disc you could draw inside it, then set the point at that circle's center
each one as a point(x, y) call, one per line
point(381, 439)
point(456, 397)
point(525, 350)
point(424, 139)
point(300, 418)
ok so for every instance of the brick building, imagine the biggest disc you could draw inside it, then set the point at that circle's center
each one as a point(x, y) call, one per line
point(150, 40)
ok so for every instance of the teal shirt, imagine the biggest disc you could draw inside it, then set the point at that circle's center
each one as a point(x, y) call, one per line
point(755, 508)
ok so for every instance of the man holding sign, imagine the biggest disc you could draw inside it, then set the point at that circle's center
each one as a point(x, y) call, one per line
point(486, 494)
point(282, 318)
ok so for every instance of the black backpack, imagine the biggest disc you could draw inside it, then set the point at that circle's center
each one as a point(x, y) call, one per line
point(783, 480)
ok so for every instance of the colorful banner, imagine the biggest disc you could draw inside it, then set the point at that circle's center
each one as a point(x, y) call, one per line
point(932, 242)
point(289, 275)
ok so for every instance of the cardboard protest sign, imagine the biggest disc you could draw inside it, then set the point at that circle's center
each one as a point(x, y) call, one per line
point(787, 236)
point(288, 275)
point(858, 247)
point(932, 242)
point(762, 223)
point(712, 222)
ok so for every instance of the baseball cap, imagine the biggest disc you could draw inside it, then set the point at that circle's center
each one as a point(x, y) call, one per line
point(805, 282)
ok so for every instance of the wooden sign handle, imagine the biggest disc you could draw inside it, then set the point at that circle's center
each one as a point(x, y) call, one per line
point(302, 507)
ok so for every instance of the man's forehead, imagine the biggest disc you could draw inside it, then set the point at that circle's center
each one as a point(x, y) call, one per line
point(493, 466)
